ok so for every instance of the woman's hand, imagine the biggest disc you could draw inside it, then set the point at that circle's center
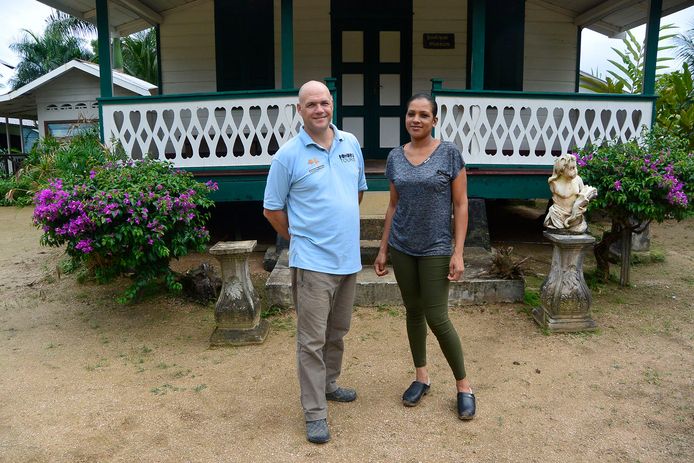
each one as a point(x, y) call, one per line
point(380, 264)
point(456, 267)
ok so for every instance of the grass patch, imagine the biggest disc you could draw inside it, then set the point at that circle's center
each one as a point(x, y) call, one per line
point(271, 312)
point(199, 388)
point(531, 300)
point(166, 388)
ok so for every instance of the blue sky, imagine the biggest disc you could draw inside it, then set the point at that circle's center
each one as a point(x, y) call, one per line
point(30, 14)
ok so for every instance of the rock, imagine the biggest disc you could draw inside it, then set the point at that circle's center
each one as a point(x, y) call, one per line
point(201, 283)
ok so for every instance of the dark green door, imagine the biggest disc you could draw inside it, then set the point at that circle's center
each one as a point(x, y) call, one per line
point(372, 64)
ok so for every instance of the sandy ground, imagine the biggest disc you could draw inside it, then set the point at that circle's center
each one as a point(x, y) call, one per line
point(83, 378)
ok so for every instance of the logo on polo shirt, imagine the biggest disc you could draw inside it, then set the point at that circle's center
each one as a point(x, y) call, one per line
point(347, 157)
point(314, 165)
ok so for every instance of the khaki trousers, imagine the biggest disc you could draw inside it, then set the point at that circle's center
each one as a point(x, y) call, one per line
point(323, 304)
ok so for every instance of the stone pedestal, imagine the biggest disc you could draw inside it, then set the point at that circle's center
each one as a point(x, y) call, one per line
point(565, 299)
point(238, 308)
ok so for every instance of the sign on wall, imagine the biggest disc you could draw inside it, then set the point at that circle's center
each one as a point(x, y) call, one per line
point(439, 41)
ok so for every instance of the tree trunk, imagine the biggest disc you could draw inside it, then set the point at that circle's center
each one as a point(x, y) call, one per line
point(602, 250)
point(626, 257)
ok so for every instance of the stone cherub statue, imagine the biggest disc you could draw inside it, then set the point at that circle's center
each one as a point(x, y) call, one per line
point(570, 197)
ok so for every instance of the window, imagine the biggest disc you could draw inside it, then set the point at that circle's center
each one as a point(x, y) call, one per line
point(67, 129)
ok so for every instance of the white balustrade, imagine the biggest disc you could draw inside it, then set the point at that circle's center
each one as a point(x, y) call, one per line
point(222, 132)
point(498, 130)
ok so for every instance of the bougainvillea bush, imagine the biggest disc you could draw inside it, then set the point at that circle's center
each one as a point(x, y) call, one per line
point(648, 179)
point(126, 218)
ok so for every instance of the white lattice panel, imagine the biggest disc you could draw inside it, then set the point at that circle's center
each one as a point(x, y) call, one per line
point(207, 133)
point(494, 130)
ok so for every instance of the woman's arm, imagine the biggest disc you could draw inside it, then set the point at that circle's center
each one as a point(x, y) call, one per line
point(460, 219)
point(380, 262)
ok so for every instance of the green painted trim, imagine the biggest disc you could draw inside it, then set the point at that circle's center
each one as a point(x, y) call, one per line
point(252, 187)
point(547, 95)
point(101, 125)
point(652, 33)
point(577, 78)
point(180, 97)
point(331, 83)
point(287, 44)
point(478, 45)
point(507, 167)
point(104, 42)
point(263, 168)
point(160, 78)
point(491, 186)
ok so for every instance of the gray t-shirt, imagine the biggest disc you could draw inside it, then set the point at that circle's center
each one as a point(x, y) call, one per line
point(422, 221)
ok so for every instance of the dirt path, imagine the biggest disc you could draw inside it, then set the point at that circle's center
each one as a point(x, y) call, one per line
point(83, 378)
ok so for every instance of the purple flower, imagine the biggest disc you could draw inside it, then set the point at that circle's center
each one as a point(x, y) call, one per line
point(85, 245)
point(92, 174)
point(618, 185)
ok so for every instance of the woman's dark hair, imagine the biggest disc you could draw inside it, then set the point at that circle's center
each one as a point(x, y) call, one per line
point(424, 96)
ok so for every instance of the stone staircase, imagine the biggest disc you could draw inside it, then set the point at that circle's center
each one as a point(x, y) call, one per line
point(476, 287)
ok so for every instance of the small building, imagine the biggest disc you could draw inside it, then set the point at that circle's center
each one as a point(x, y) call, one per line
point(66, 98)
point(504, 73)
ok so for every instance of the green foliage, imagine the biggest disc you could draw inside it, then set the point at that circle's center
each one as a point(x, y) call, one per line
point(630, 67)
point(685, 48)
point(136, 54)
point(123, 218)
point(675, 105)
point(51, 158)
point(641, 180)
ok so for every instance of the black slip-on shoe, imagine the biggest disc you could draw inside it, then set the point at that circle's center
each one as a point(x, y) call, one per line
point(466, 405)
point(414, 393)
point(341, 394)
point(317, 431)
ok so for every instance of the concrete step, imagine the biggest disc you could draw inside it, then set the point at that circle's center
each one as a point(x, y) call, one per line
point(476, 287)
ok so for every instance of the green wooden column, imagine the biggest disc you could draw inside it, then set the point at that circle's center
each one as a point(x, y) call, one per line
point(331, 83)
point(478, 32)
point(652, 33)
point(103, 37)
point(287, 44)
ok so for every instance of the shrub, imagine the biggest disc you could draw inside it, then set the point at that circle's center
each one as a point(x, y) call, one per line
point(639, 181)
point(126, 218)
point(51, 158)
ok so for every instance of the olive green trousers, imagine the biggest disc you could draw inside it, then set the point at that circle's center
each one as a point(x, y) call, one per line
point(423, 285)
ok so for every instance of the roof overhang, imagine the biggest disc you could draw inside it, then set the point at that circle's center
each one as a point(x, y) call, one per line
point(610, 17)
point(125, 16)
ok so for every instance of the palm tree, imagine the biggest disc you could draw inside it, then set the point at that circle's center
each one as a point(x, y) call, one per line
point(136, 54)
point(41, 53)
point(140, 56)
point(685, 48)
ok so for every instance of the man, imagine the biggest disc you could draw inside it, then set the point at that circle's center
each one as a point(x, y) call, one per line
point(318, 176)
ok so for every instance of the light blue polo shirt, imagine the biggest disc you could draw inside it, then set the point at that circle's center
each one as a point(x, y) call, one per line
point(320, 190)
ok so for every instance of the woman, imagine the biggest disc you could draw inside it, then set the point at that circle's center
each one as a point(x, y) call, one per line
point(426, 177)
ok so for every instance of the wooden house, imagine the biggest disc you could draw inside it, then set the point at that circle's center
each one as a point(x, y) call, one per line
point(504, 73)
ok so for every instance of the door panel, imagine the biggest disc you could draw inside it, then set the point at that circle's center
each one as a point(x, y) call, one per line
point(372, 61)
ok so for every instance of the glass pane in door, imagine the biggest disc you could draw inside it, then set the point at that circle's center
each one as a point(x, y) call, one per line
point(353, 46)
point(390, 132)
point(390, 89)
point(353, 89)
point(354, 125)
point(389, 46)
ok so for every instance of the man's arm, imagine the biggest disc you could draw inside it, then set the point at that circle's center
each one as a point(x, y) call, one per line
point(279, 221)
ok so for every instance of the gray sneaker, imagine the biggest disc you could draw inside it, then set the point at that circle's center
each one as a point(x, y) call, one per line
point(342, 394)
point(317, 431)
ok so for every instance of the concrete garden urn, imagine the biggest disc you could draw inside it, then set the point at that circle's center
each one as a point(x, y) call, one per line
point(237, 311)
point(565, 299)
